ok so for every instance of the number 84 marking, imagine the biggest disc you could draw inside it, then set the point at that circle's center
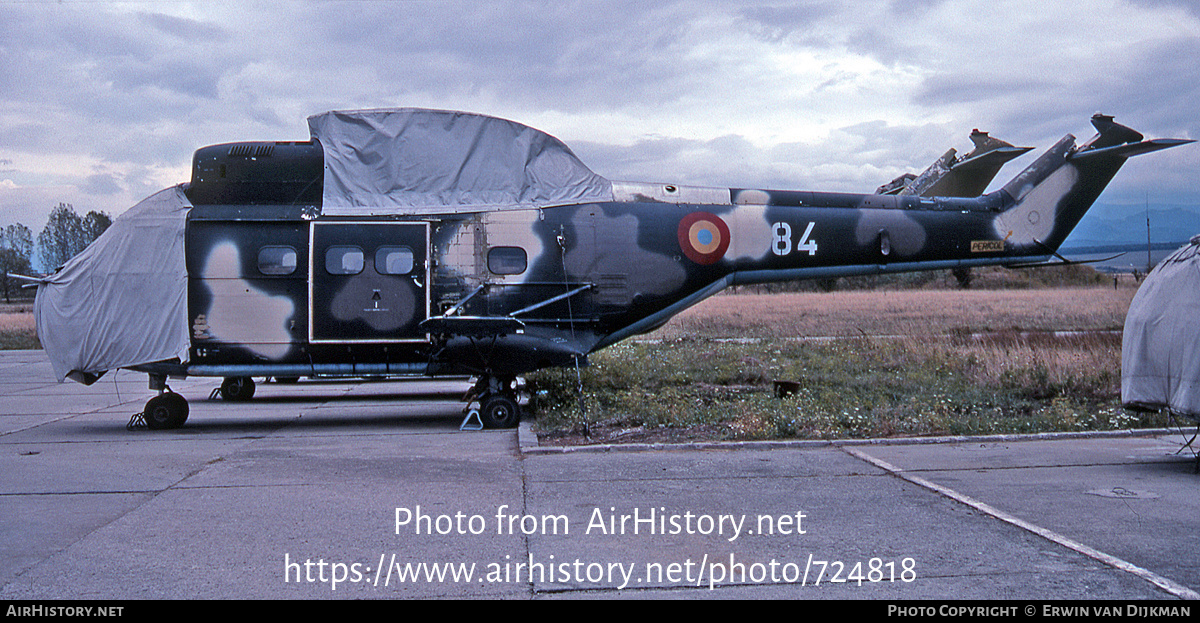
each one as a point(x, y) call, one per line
point(782, 244)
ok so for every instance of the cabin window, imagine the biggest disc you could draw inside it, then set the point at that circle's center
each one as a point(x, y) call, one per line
point(277, 260)
point(393, 260)
point(507, 260)
point(343, 260)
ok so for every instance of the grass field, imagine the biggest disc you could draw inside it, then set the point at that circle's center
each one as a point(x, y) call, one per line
point(895, 363)
point(17, 328)
point(903, 312)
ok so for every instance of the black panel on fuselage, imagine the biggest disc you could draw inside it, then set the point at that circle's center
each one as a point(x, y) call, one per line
point(247, 284)
point(370, 281)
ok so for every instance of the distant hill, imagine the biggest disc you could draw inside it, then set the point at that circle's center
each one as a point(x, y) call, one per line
point(1110, 229)
point(1106, 225)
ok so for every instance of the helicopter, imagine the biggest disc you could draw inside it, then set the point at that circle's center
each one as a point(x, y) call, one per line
point(415, 242)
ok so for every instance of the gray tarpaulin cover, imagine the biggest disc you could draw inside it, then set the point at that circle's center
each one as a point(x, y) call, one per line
point(1160, 351)
point(415, 160)
point(123, 300)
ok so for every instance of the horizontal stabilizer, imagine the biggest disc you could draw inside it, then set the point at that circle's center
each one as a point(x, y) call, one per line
point(995, 158)
point(1131, 149)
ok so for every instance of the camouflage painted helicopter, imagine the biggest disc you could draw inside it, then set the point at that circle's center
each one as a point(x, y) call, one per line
point(419, 242)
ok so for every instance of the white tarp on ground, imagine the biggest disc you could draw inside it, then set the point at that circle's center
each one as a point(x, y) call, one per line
point(1160, 351)
point(413, 160)
point(123, 300)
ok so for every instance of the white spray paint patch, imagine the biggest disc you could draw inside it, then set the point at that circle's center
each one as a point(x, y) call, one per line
point(465, 254)
point(240, 313)
point(751, 233)
point(1034, 218)
point(515, 228)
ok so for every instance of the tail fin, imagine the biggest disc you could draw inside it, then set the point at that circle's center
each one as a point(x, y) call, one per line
point(971, 175)
point(951, 176)
point(1046, 200)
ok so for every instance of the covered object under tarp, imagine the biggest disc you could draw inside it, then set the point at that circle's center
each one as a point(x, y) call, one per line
point(123, 301)
point(1160, 352)
point(411, 160)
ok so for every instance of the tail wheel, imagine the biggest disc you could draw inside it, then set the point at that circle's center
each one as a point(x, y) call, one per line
point(165, 411)
point(237, 389)
point(499, 411)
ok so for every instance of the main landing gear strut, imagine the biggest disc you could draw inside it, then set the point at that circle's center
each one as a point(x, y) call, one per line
point(498, 406)
point(237, 388)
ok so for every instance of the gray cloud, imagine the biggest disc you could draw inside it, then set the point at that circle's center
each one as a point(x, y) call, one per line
point(777, 23)
point(183, 29)
point(100, 184)
point(953, 88)
point(555, 56)
point(1187, 5)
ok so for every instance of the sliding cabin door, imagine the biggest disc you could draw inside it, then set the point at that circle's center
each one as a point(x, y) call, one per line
point(368, 282)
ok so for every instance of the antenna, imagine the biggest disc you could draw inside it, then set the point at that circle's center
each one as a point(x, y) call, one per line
point(1149, 265)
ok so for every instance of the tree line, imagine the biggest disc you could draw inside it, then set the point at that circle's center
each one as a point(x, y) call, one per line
point(66, 234)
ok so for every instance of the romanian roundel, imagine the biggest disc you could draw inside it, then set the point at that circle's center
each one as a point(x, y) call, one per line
point(703, 237)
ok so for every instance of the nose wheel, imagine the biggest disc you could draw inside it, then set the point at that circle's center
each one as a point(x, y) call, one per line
point(165, 411)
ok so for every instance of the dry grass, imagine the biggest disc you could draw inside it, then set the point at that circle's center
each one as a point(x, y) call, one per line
point(1042, 362)
point(902, 312)
point(18, 331)
point(17, 322)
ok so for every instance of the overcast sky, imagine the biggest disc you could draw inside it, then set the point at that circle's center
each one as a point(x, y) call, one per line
point(102, 104)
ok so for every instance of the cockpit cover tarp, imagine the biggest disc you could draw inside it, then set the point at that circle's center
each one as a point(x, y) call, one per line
point(123, 300)
point(1160, 351)
point(414, 160)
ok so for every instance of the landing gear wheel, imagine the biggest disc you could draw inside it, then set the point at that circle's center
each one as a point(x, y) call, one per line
point(237, 388)
point(165, 411)
point(499, 411)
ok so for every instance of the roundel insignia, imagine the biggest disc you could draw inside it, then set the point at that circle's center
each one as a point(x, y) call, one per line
point(703, 237)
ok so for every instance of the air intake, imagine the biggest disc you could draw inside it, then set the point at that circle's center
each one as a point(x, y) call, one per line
point(251, 150)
